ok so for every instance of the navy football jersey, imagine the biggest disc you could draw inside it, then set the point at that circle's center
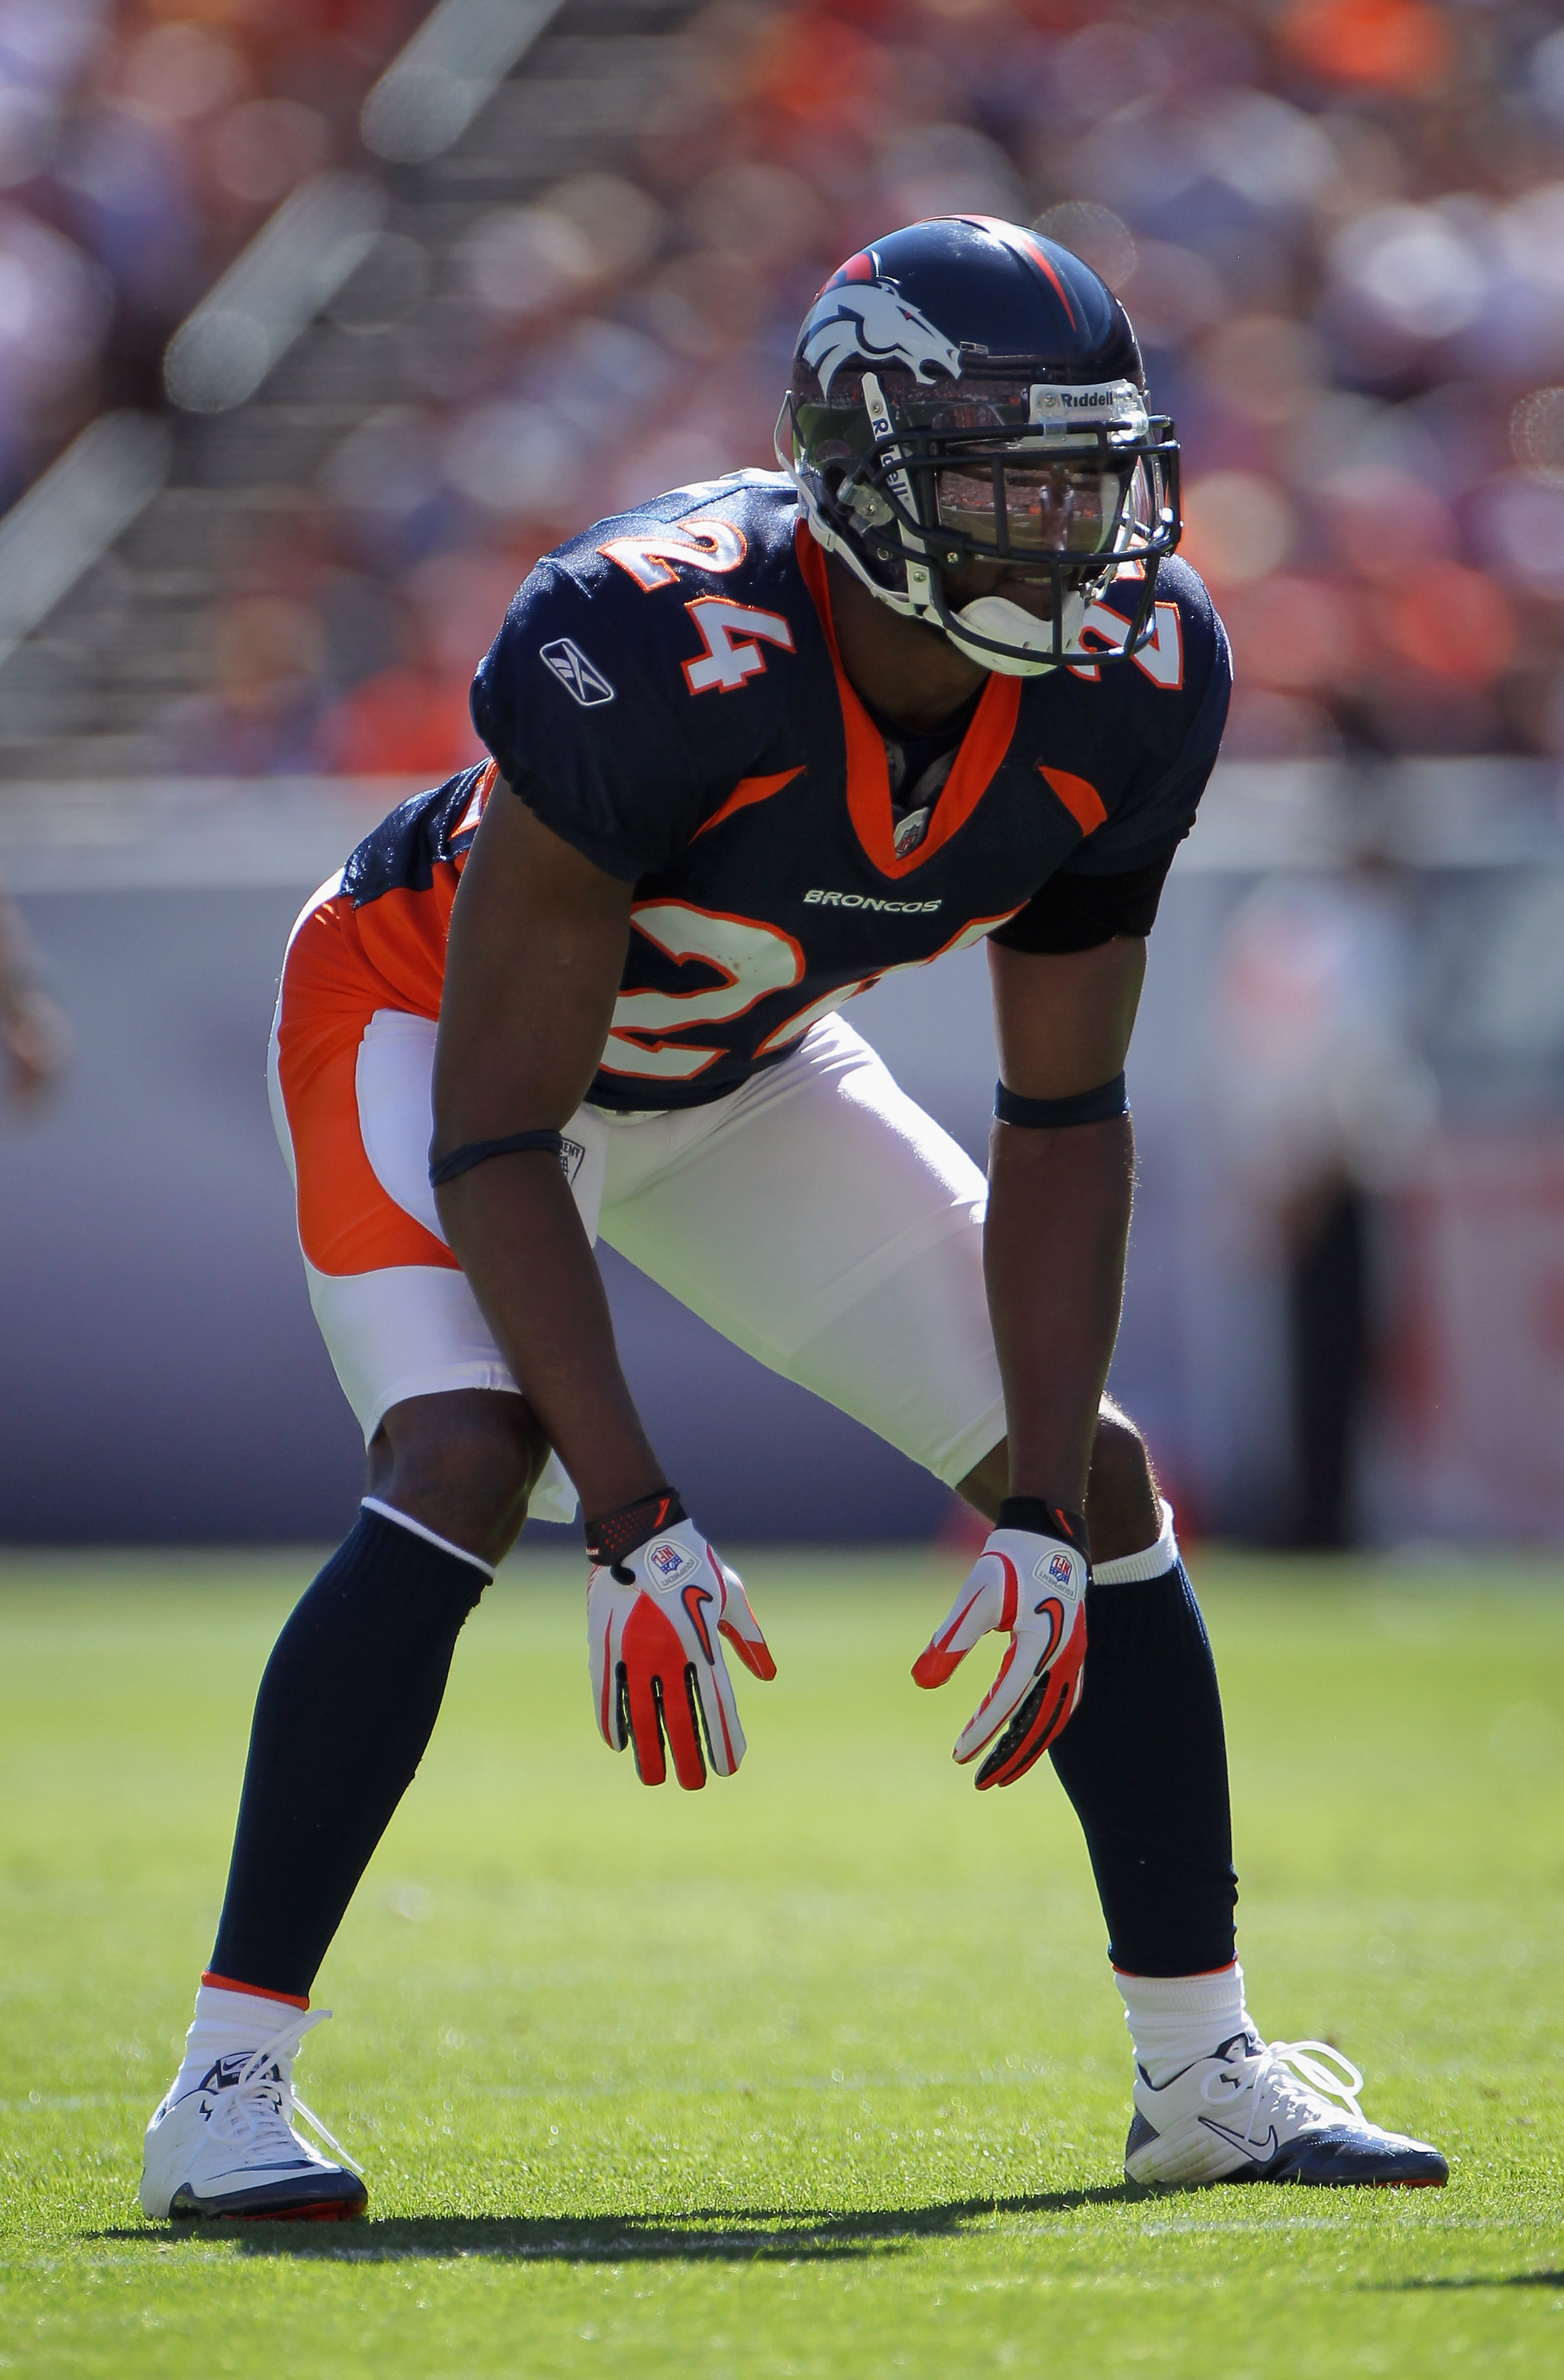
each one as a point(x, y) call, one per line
point(666, 695)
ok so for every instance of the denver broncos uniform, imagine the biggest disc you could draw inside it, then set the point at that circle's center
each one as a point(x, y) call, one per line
point(667, 696)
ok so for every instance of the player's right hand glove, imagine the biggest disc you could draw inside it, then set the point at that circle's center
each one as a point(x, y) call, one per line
point(1031, 1583)
point(657, 1610)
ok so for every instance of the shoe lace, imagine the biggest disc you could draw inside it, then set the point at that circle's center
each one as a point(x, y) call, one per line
point(258, 2103)
point(1305, 2081)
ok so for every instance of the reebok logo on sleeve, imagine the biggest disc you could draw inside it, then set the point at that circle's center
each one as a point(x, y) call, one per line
point(581, 679)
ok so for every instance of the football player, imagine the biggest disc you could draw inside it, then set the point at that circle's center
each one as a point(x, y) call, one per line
point(755, 746)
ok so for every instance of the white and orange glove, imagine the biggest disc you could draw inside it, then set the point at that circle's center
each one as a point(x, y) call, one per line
point(1029, 1582)
point(659, 1602)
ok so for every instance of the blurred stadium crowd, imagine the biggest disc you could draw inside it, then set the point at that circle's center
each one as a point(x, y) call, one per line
point(1338, 225)
point(141, 145)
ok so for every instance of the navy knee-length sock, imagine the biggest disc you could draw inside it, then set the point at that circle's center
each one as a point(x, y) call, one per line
point(1144, 1763)
point(346, 1706)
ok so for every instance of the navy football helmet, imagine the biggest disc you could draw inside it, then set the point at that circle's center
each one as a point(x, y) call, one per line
point(967, 392)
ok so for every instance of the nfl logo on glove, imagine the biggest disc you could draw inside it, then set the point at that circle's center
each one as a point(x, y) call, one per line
point(1059, 1570)
point(668, 1561)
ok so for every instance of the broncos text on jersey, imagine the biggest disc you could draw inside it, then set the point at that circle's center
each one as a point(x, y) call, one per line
point(666, 695)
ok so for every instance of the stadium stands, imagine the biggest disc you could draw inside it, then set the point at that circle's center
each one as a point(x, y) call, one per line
point(1337, 224)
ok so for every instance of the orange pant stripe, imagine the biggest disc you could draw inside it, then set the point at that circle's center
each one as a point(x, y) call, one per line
point(348, 1223)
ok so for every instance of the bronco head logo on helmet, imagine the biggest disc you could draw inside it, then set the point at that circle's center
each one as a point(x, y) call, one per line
point(872, 322)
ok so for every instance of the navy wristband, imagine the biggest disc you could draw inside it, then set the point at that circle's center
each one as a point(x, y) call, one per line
point(1045, 1520)
point(1102, 1106)
point(478, 1152)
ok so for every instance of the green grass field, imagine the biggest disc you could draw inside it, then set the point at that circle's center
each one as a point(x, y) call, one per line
point(819, 2071)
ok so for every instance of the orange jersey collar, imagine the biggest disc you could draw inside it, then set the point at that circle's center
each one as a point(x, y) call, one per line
point(983, 746)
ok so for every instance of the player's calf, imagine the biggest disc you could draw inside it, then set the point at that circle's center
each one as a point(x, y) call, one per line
point(1137, 1743)
point(346, 1706)
point(345, 1709)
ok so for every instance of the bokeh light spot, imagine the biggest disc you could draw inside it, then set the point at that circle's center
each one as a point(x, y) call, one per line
point(1238, 526)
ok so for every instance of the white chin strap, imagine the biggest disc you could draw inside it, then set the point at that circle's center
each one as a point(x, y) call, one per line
point(996, 617)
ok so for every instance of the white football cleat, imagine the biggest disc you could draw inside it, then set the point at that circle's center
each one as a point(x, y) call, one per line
point(1278, 2113)
point(226, 2146)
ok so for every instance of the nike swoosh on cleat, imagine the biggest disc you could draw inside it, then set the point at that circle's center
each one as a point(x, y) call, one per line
point(1261, 2151)
point(1172, 2078)
point(1239, 2042)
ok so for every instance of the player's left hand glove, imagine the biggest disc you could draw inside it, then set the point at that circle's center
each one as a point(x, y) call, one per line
point(1029, 1582)
point(657, 1611)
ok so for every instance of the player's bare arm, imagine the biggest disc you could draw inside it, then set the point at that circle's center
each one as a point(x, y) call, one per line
point(1060, 1180)
point(1059, 1206)
point(537, 950)
point(536, 958)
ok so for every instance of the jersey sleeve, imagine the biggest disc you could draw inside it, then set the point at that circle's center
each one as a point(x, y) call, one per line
point(1112, 884)
point(571, 702)
point(1077, 912)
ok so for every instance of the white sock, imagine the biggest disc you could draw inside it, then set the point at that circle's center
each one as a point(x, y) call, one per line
point(224, 2024)
point(1173, 2019)
point(1133, 1570)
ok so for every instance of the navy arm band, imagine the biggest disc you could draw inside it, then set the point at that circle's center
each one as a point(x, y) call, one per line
point(478, 1152)
point(1101, 1106)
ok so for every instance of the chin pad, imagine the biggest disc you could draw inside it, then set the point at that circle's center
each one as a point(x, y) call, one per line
point(1007, 622)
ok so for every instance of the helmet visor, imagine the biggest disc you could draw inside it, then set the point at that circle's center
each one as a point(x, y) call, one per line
point(1067, 508)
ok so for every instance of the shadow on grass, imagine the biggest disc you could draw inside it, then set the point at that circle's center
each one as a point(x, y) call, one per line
point(703, 2235)
point(1478, 2281)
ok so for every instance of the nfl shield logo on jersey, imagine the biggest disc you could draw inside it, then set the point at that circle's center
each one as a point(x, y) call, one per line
point(579, 677)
